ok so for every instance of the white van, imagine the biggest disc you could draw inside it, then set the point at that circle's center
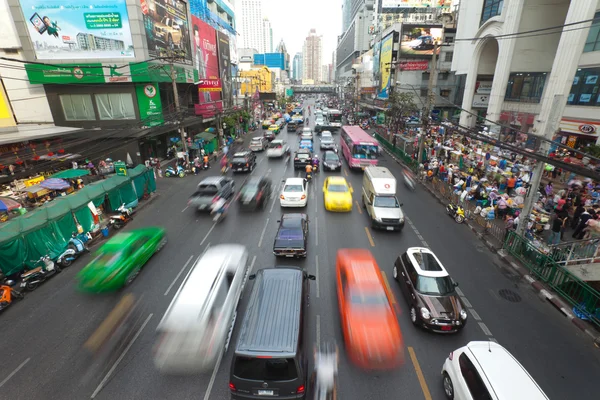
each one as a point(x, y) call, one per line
point(198, 324)
point(379, 199)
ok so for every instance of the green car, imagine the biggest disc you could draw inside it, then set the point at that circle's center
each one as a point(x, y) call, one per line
point(118, 261)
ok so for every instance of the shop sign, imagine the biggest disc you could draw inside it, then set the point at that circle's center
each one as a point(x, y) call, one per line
point(580, 127)
point(368, 90)
point(34, 181)
point(419, 65)
point(149, 104)
point(483, 87)
point(121, 168)
point(481, 100)
point(209, 85)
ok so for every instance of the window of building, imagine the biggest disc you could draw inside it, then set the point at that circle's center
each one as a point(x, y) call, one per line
point(445, 93)
point(593, 40)
point(448, 56)
point(525, 87)
point(425, 76)
point(115, 106)
point(491, 8)
point(78, 107)
point(423, 91)
point(586, 87)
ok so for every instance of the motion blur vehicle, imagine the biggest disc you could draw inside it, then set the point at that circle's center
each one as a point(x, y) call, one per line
point(371, 332)
point(379, 199)
point(291, 239)
point(199, 322)
point(327, 142)
point(302, 158)
point(306, 144)
point(210, 190)
point(275, 129)
point(270, 359)
point(269, 135)
point(429, 291)
point(280, 122)
point(294, 193)
point(267, 123)
point(254, 193)
point(258, 143)
point(244, 161)
point(486, 370)
point(119, 261)
point(337, 195)
point(331, 161)
point(277, 148)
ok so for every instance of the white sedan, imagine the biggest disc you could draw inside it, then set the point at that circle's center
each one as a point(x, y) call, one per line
point(277, 148)
point(294, 193)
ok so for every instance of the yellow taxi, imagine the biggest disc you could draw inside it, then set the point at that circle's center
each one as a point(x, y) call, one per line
point(267, 123)
point(337, 194)
point(275, 128)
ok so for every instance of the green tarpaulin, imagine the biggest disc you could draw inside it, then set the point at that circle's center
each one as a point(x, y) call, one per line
point(137, 171)
point(12, 256)
point(128, 194)
point(71, 173)
point(140, 184)
point(75, 200)
point(85, 218)
point(114, 199)
point(151, 181)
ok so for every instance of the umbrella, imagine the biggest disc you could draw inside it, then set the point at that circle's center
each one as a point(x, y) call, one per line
point(55, 184)
point(71, 173)
point(8, 204)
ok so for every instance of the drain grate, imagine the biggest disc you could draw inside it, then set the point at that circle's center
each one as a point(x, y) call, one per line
point(509, 295)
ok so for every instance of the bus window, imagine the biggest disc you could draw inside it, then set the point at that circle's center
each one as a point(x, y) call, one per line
point(369, 152)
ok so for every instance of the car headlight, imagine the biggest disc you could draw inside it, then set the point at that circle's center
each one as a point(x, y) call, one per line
point(463, 314)
point(425, 313)
point(377, 219)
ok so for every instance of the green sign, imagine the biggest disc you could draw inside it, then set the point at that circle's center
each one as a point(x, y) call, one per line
point(108, 20)
point(121, 168)
point(90, 73)
point(149, 104)
point(289, 92)
point(158, 72)
point(381, 118)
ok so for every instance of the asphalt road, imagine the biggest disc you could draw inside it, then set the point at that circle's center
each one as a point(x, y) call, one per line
point(41, 336)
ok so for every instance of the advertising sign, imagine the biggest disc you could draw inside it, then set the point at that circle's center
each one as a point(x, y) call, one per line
point(419, 40)
point(580, 127)
point(416, 3)
point(206, 59)
point(481, 100)
point(385, 58)
point(225, 69)
point(417, 65)
point(6, 115)
point(167, 28)
point(78, 29)
point(376, 60)
point(483, 87)
point(209, 85)
point(149, 104)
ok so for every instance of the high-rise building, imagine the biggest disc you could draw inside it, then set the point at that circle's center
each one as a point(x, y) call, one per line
point(297, 67)
point(267, 36)
point(250, 24)
point(312, 54)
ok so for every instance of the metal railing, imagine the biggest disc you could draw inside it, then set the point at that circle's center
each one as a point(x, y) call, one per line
point(398, 152)
point(576, 252)
point(583, 297)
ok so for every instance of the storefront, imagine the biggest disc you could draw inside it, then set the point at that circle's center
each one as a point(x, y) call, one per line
point(578, 133)
point(518, 122)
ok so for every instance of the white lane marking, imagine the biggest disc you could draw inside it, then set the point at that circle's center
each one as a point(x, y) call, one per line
point(425, 244)
point(286, 166)
point(14, 372)
point(276, 196)
point(420, 237)
point(213, 376)
point(460, 292)
point(186, 207)
point(466, 302)
point(179, 274)
point(116, 364)
point(252, 264)
point(317, 231)
point(208, 233)
point(262, 235)
point(474, 314)
point(318, 338)
point(317, 273)
point(268, 172)
point(485, 329)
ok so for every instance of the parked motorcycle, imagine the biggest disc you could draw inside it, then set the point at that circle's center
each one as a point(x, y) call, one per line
point(456, 212)
point(124, 216)
point(75, 248)
point(7, 293)
point(178, 171)
point(32, 278)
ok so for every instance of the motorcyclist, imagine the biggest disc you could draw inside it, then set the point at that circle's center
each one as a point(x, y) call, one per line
point(206, 161)
point(196, 165)
point(219, 208)
point(315, 163)
point(309, 170)
point(223, 164)
point(325, 372)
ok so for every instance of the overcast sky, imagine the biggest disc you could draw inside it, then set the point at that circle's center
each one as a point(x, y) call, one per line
point(291, 22)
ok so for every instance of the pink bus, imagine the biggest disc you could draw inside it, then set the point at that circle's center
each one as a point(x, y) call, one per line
point(358, 147)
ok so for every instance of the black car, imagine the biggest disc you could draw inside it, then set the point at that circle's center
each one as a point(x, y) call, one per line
point(292, 236)
point(292, 126)
point(331, 161)
point(302, 158)
point(243, 161)
point(254, 193)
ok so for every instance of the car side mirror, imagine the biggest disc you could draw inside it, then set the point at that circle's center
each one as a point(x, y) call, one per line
point(278, 221)
point(455, 284)
point(311, 277)
point(251, 277)
point(401, 204)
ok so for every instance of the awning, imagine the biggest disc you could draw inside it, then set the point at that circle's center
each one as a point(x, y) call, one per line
point(205, 136)
point(71, 173)
point(22, 133)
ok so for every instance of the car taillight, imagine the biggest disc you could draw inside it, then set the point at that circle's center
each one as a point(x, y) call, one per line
point(232, 386)
point(282, 197)
point(303, 197)
point(296, 159)
point(246, 164)
point(230, 165)
point(258, 196)
point(300, 389)
point(450, 356)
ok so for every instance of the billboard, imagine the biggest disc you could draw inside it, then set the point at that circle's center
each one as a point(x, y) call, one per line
point(416, 65)
point(376, 60)
point(79, 29)
point(166, 25)
point(225, 69)
point(419, 40)
point(416, 3)
point(385, 61)
point(206, 58)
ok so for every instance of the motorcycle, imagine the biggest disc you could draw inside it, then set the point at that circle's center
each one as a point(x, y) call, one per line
point(170, 171)
point(205, 165)
point(75, 248)
point(456, 212)
point(124, 216)
point(409, 181)
point(32, 278)
point(308, 176)
point(7, 293)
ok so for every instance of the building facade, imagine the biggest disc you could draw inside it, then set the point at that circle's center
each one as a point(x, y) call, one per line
point(267, 36)
point(260, 80)
point(544, 84)
point(297, 67)
point(250, 24)
point(312, 54)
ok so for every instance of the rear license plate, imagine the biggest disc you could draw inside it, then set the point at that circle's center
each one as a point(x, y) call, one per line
point(390, 228)
point(289, 255)
point(446, 328)
point(262, 392)
point(239, 169)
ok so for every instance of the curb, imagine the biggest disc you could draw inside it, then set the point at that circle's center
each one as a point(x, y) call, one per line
point(538, 286)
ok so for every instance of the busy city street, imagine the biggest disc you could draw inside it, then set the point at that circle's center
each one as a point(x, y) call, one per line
point(42, 337)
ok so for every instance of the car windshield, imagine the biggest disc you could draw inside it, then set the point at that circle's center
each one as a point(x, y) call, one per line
point(239, 160)
point(331, 157)
point(256, 141)
point(293, 188)
point(107, 259)
point(435, 286)
point(249, 189)
point(339, 188)
point(368, 299)
point(207, 189)
point(275, 145)
point(326, 136)
point(274, 127)
point(386, 202)
point(365, 151)
point(326, 140)
point(265, 369)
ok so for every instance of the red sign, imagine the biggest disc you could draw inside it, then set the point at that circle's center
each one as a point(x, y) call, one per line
point(209, 85)
point(144, 7)
point(207, 110)
point(366, 90)
point(418, 65)
point(66, 38)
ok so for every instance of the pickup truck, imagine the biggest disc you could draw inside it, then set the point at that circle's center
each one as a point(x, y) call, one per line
point(209, 190)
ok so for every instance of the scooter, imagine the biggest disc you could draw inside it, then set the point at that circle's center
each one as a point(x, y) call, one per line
point(124, 216)
point(456, 212)
point(7, 293)
point(32, 278)
point(170, 171)
point(75, 248)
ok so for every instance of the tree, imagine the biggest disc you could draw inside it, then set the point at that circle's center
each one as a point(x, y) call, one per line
point(401, 105)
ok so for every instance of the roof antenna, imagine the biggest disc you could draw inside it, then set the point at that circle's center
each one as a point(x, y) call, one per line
point(490, 346)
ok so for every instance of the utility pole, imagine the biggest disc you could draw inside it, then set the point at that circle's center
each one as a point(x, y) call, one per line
point(173, 74)
point(356, 108)
point(430, 101)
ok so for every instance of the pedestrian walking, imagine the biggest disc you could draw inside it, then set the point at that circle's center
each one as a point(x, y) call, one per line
point(509, 226)
point(556, 229)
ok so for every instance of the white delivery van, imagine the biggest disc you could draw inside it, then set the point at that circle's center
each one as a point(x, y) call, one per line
point(198, 324)
point(379, 199)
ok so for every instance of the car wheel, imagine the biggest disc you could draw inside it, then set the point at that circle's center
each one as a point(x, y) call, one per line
point(395, 273)
point(132, 275)
point(448, 386)
point(413, 315)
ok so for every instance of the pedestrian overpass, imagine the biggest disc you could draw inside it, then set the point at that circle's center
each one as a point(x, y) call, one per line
point(306, 89)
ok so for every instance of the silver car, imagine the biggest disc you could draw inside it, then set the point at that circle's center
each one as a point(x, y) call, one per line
point(258, 144)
